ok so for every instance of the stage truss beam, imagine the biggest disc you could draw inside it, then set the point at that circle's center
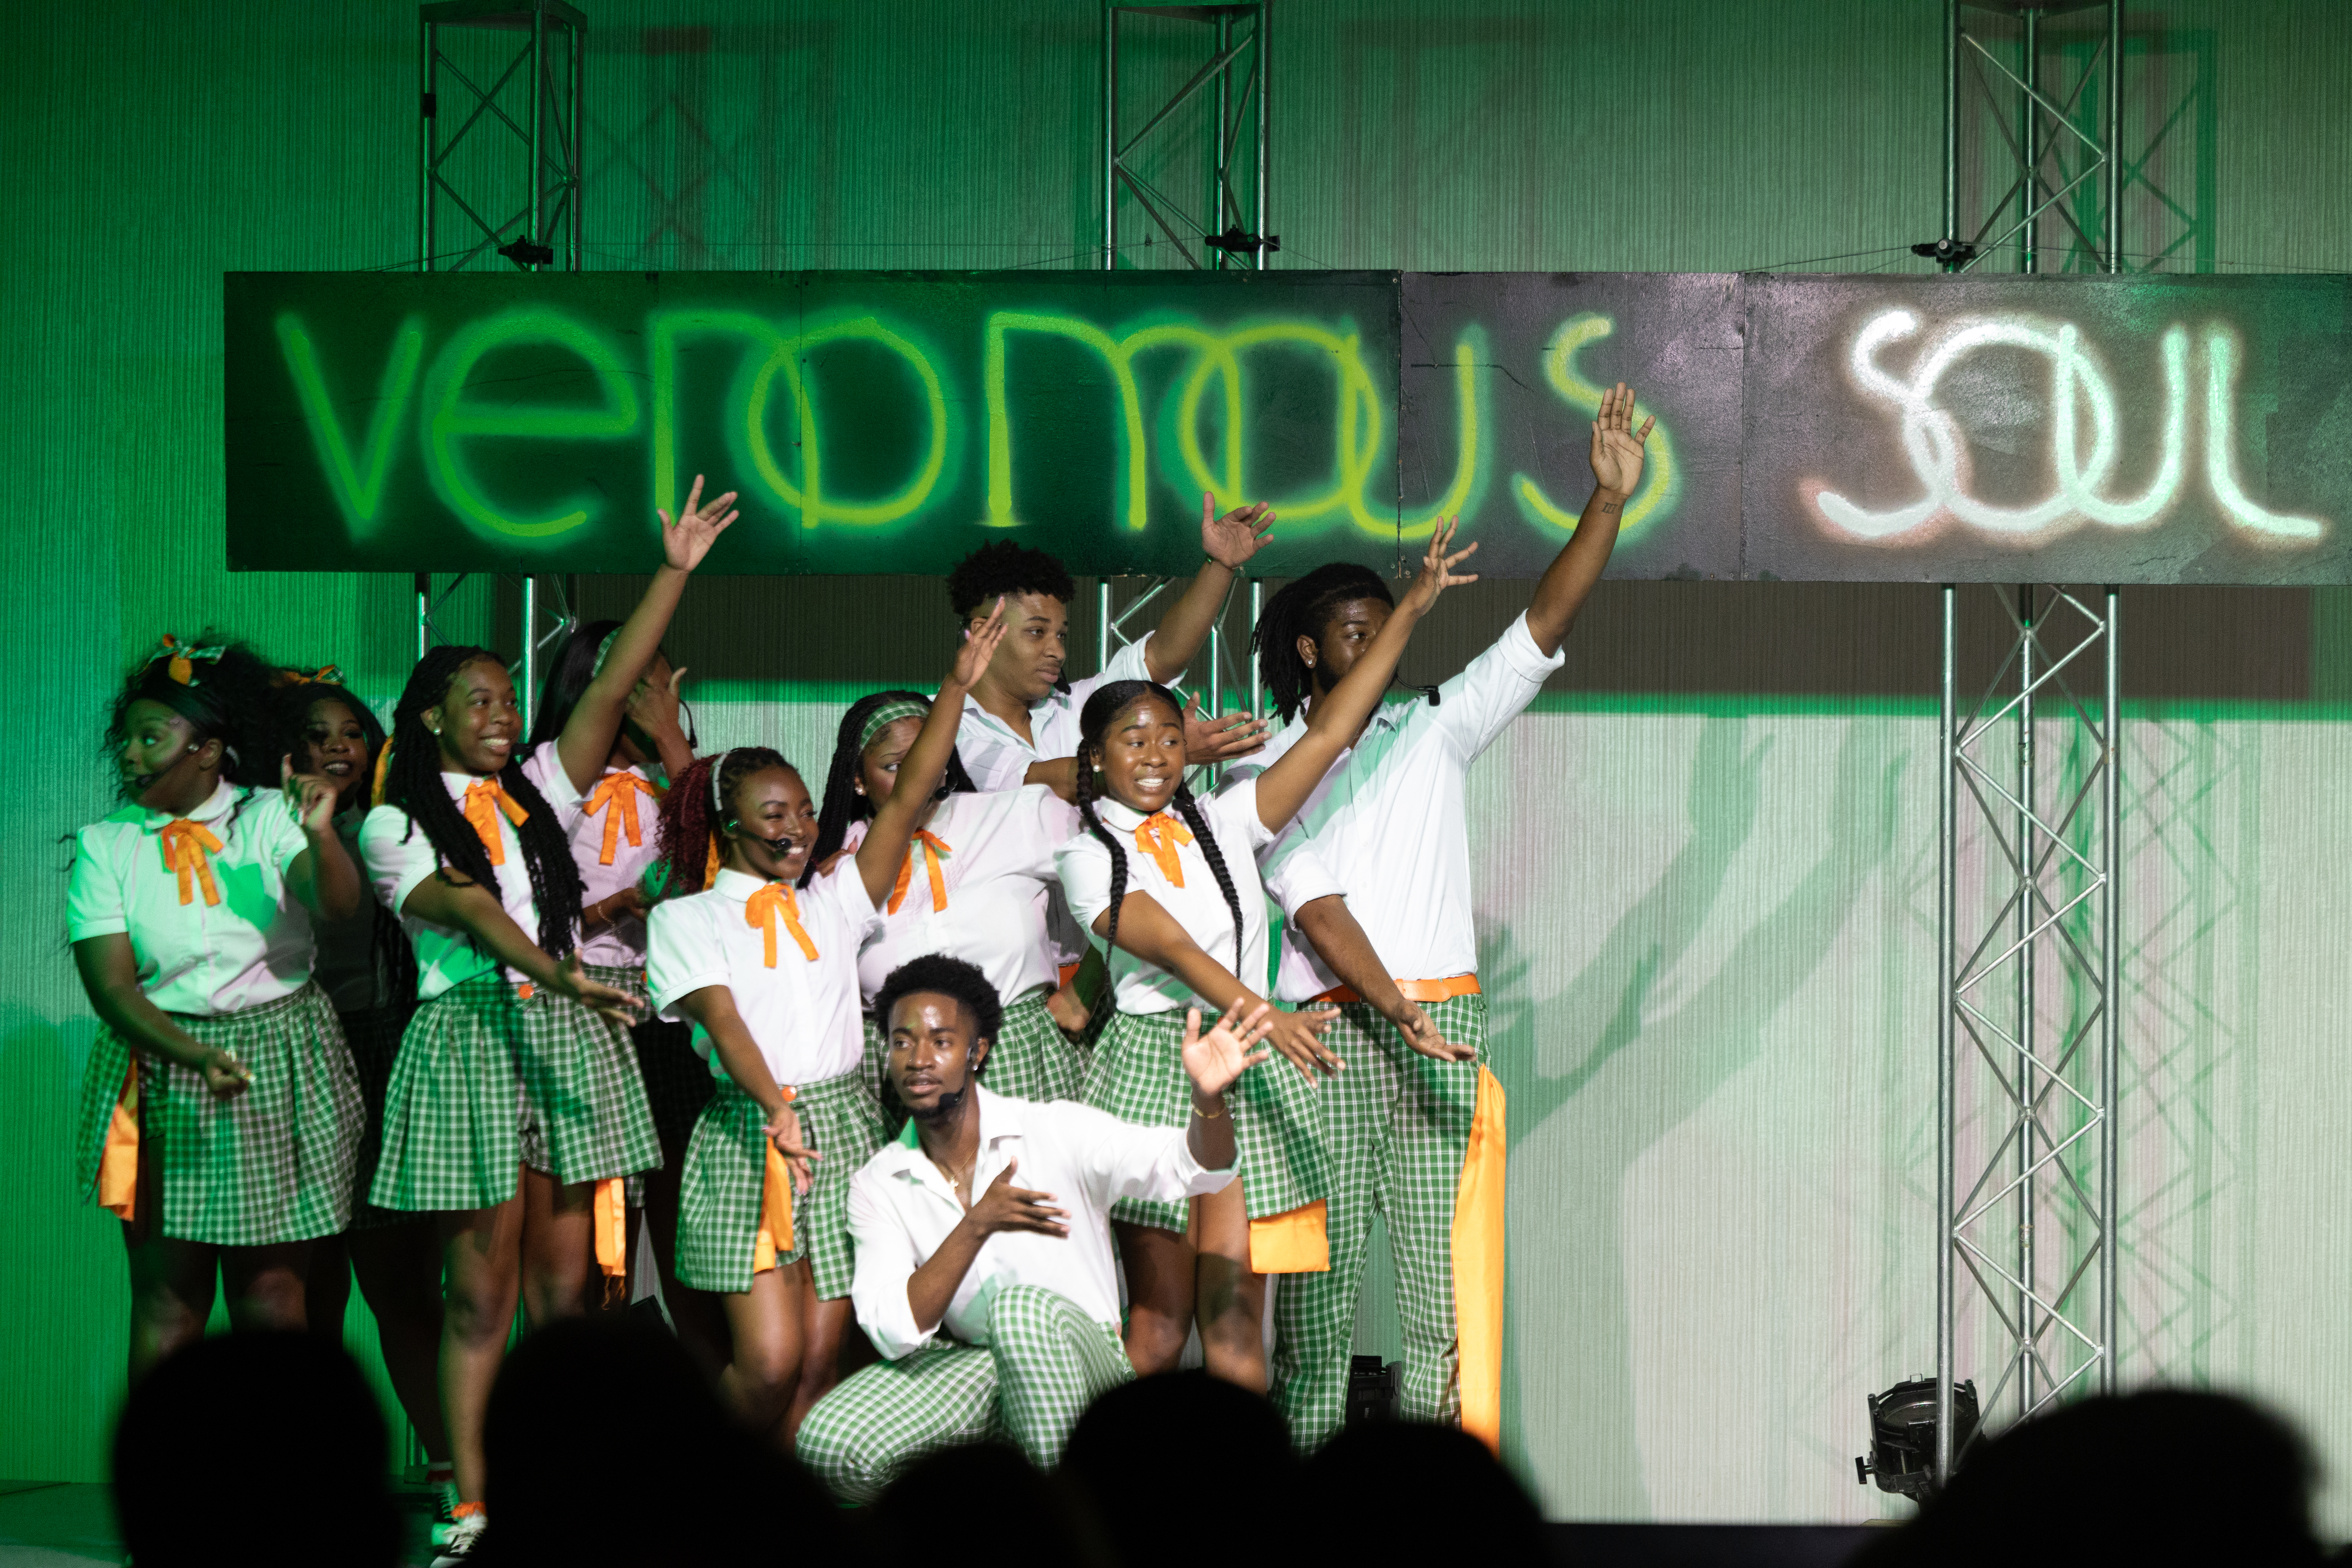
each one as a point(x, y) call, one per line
point(1227, 228)
point(532, 221)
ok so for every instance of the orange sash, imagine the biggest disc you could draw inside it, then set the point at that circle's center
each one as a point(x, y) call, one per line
point(612, 1223)
point(117, 1163)
point(616, 796)
point(1157, 836)
point(774, 1237)
point(924, 840)
point(185, 843)
point(1293, 1242)
point(1478, 1266)
point(762, 909)
point(485, 798)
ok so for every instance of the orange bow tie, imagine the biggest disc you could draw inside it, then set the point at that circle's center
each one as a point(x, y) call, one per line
point(762, 909)
point(1157, 836)
point(924, 838)
point(185, 843)
point(485, 798)
point(616, 796)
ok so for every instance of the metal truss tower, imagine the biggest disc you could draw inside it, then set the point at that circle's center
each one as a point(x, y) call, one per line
point(1227, 228)
point(2028, 939)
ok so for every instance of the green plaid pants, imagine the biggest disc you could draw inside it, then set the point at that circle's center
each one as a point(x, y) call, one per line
point(1032, 1059)
point(1138, 1075)
point(1399, 1125)
point(270, 1164)
point(1045, 1362)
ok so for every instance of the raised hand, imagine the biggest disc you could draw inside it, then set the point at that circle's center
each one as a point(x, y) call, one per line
point(603, 1000)
point(1437, 563)
point(1215, 1060)
point(785, 1132)
point(686, 541)
point(653, 704)
point(979, 647)
point(1223, 739)
point(309, 796)
point(1423, 1035)
point(1230, 539)
point(1617, 448)
point(1004, 1206)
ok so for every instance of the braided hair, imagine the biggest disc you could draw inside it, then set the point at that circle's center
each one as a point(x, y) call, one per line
point(222, 687)
point(1300, 610)
point(689, 837)
point(845, 803)
point(298, 692)
point(1102, 710)
point(412, 781)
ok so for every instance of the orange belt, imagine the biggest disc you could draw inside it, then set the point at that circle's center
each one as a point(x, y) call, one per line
point(1414, 991)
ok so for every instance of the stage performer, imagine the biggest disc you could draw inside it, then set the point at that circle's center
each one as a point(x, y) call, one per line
point(1375, 878)
point(612, 846)
point(1169, 890)
point(978, 883)
point(984, 1267)
point(219, 1117)
point(368, 973)
point(515, 1108)
point(767, 974)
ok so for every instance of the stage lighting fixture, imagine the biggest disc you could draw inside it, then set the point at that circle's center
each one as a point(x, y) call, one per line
point(1947, 253)
point(523, 253)
point(1371, 1390)
point(1238, 241)
point(1903, 1435)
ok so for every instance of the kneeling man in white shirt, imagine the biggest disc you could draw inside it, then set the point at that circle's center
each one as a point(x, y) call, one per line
point(985, 1275)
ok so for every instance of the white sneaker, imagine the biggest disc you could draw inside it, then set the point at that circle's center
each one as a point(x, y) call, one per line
point(459, 1543)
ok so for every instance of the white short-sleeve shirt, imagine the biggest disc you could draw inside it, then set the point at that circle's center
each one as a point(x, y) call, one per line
point(997, 759)
point(1198, 904)
point(901, 1209)
point(197, 958)
point(1389, 824)
point(998, 874)
point(803, 1013)
point(606, 814)
point(399, 857)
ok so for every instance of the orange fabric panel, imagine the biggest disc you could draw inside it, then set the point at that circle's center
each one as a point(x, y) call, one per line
point(1478, 1266)
point(612, 1223)
point(774, 1236)
point(117, 1163)
point(1295, 1242)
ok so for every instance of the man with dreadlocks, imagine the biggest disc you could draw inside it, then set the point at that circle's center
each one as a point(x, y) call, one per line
point(1375, 877)
point(1169, 888)
point(515, 1109)
point(219, 1117)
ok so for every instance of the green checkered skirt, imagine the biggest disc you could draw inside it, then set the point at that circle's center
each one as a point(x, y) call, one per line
point(270, 1164)
point(374, 1035)
point(1138, 1075)
point(1032, 1059)
point(726, 1171)
point(487, 1082)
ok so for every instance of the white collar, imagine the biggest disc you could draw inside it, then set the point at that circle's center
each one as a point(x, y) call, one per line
point(215, 806)
point(737, 886)
point(1125, 818)
point(1000, 1118)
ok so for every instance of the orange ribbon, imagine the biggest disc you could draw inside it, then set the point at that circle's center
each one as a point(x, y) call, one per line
point(616, 796)
point(762, 909)
point(185, 843)
point(117, 1161)
point(924, 837)
point(774, 1237)
point(1157, 836)
point(485, 798)
point(612, 1223)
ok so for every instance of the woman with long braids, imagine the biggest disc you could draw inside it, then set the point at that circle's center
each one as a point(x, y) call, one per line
point(767, 974)
point(219, 1117)
point(613, 844)
point(1169, 888)
point(368, 973)
point(515, 1109)
point(978, 884)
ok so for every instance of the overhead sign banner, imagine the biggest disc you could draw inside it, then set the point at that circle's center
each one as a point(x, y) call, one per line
point(2137, 429)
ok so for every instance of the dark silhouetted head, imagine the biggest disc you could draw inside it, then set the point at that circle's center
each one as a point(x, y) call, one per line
point(1364, 1480)
point(1134, 1448)
point(999, 1506)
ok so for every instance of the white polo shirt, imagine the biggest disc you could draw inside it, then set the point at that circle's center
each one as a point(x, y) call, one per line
point(1198, 904)
point(399, 857)
point(803, 1012)
point(198, 958)
point(999, 876)
point(901, 1209)
point(1389, 824)
point(997, 759)
point(607, 809)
